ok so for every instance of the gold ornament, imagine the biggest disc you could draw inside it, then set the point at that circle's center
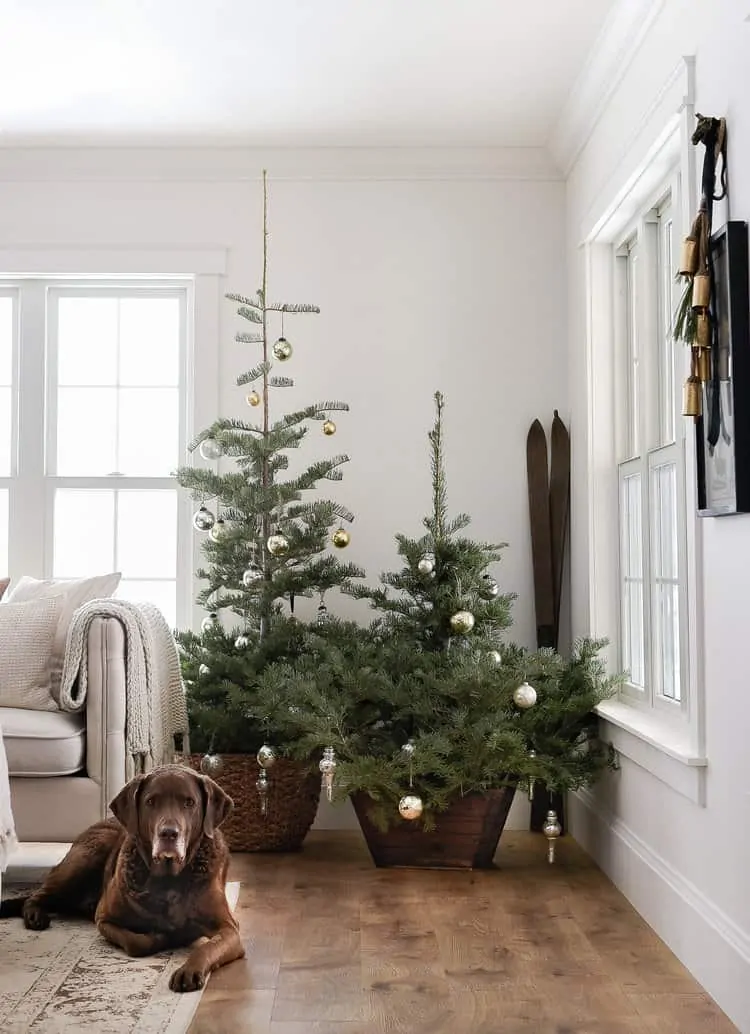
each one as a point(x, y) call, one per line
point(278, 544)
point(329, 427)
point(266, 756)
point(253, 399)
point(495, 657)
point(462, 622)
point(219, 530)
point(341, 538)
point(410, 807)
point(552, 830)
point(282, 350)
point(525, 696)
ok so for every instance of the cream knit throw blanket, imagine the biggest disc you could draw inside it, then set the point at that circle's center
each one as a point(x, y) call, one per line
point(155, 709)
point(7, 828)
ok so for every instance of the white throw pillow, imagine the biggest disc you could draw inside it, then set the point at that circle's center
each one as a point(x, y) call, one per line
point(72, 594)
point(27, 639)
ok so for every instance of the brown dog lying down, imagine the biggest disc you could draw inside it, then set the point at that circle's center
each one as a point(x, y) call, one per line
point(152, 878)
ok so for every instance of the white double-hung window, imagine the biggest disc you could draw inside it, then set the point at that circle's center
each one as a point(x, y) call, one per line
point(92, 427)
point(649, 441)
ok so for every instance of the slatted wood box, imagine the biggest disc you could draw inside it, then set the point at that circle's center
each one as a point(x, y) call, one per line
point(466, 835)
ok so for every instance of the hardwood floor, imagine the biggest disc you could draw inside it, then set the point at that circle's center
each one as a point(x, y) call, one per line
point(336, 946)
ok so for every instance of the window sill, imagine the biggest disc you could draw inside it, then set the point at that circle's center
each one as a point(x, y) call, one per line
point(663, 749)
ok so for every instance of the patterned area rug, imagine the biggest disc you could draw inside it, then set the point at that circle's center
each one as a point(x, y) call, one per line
point(68, 978)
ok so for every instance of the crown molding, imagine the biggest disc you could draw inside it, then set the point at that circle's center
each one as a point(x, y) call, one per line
point(609, 59)
point(221, 164)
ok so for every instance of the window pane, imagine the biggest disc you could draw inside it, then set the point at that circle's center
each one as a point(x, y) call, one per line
point(666, 352)
point(87, 341)
point(147, 534)
point(149, 431)
point(161, 594)
point(4, 494)
point(632, 579)
point(6, 341)
point(86, 435)
point(633, 358)
point(6, 430)
point(84, 533)
point(665, 587)
point(149, 341)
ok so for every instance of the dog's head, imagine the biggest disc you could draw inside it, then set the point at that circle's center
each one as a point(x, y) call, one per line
point(168, 811)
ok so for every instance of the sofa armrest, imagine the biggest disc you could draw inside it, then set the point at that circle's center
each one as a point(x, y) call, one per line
point(105, 707)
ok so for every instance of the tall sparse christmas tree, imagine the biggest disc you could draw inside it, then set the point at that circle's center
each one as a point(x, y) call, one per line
point(268, 539)
point(432, 705)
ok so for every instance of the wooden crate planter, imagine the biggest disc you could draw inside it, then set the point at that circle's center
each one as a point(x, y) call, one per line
point(465, 835)
point(293, 797)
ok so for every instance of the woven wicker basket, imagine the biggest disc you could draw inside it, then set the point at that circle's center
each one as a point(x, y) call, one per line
point(293, 796)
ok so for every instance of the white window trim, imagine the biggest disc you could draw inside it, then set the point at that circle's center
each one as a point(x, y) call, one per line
point(671, 748)
point(206, 268)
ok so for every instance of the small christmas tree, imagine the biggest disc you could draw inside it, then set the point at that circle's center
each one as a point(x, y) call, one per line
point(429, 703)
point(266, 543)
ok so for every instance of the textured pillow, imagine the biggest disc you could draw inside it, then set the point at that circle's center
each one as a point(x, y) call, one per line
point(27, 638)
point(4, 583)
point(73, 594)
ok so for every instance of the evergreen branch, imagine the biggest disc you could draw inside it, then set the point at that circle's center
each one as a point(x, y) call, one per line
point(248, 339)
point(249, 314)
point(290, 307)
point(439, 492)
point(253, 375)
point(252, 303)
point(281, 382)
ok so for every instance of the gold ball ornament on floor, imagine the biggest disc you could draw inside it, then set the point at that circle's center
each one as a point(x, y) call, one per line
point(253, 398)
point(211, 764)
point(462, 622)
point(410, 807)
point(278, 544)
point(329, 427)
point(341, 538)
point(525, 696)
point(282, 350)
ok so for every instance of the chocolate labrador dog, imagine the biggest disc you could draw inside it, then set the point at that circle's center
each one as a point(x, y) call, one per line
point(153, 878)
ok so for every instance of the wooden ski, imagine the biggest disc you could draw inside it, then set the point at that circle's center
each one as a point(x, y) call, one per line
point(541, 538)
point(559, 509)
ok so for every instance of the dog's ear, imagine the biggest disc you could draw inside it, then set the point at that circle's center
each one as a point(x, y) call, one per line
point(217, 805)
point(125, 804)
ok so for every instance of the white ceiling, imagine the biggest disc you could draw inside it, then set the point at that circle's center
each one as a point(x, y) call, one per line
point(292, 72)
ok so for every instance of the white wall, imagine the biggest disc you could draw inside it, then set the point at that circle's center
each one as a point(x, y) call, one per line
point(684, 865)
point(432, 271)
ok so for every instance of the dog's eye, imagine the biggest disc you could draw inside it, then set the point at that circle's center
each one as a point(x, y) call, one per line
point(189, 802)
point(150, 802)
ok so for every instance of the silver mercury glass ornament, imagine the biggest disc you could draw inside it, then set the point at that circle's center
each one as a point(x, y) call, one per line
point(327, 768)
point(552, 830)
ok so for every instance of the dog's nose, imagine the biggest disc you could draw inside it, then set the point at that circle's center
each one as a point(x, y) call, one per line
point(168, 833)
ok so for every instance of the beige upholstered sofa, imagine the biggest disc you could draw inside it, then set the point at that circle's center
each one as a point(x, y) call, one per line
point(66, 767)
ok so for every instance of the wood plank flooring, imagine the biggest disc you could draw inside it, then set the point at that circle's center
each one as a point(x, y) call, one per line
point(336, 946)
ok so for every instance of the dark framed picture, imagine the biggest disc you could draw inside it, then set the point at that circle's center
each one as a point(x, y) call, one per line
point(723, 431)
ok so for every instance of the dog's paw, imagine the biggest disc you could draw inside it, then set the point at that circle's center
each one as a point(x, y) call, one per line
point(187, 978)
point(35, 918)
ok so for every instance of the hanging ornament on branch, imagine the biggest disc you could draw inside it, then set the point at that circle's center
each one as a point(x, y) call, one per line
point(462, 622)
point(525, 696)
point(211, 764)
point(278, 544)
point(253, 398)
point(210, 622)
point(203, 519)
point(410, 806)
point(489, 589)
point(341, 538)
point(327, 766)
point(552, 830)
point(210, 449)
point(329, 427)
point(426, 565)
point(219, 531)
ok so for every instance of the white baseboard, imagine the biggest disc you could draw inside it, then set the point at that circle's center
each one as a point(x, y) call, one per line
point(704, 938)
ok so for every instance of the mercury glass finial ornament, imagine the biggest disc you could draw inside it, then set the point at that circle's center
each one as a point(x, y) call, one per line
point(410, 807)
point(327, 766)
point(210, 449)
point(266, 756)
point(261, 785)
point(203, 519)
point(552, 830)
point(532, 755)
point(525, 696)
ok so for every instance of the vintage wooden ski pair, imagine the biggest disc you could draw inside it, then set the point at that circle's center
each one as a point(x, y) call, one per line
point(549, 505)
